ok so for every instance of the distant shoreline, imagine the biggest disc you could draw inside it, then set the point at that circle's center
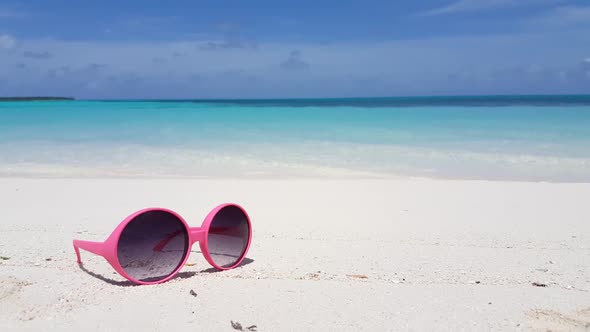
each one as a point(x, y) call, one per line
point(393, 101)
point(35, 98)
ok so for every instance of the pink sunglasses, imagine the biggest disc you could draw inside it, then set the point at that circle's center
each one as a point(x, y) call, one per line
point(151, 245)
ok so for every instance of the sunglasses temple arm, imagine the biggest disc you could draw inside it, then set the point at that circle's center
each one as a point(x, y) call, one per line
point(93, 247)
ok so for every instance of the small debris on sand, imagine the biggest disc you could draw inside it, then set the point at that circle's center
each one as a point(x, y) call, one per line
point(4, 258)
point(48, 259)
point(311, 276)
point(193, 293)
point(314, 276)
point(538, 284)
point(238, 326)
point(357, 276)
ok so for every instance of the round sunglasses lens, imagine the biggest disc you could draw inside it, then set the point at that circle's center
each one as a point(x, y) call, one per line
point(228, 236)
point(152, 246)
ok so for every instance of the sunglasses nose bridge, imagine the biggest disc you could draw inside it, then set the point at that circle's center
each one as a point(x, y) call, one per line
point(196, 234)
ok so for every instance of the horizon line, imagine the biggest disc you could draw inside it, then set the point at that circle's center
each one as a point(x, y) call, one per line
point(48, 97)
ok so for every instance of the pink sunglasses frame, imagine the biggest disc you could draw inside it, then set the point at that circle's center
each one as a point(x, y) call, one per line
point(108, 248)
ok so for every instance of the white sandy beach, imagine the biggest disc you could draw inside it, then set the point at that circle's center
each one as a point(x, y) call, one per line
point(367, 254)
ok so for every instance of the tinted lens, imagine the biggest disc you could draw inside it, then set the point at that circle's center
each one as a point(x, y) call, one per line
point(152, 246)
point(228, 236)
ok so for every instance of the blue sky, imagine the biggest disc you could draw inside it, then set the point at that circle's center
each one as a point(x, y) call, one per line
point(268, 49)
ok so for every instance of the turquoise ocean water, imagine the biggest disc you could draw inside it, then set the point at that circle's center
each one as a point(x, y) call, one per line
point(540, 138)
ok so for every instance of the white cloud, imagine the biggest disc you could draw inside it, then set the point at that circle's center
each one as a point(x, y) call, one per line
point(7, 42)
point(478, 5)
point(561, 17)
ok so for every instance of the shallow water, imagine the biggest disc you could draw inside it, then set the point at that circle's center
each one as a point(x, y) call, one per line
point(516, 138)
